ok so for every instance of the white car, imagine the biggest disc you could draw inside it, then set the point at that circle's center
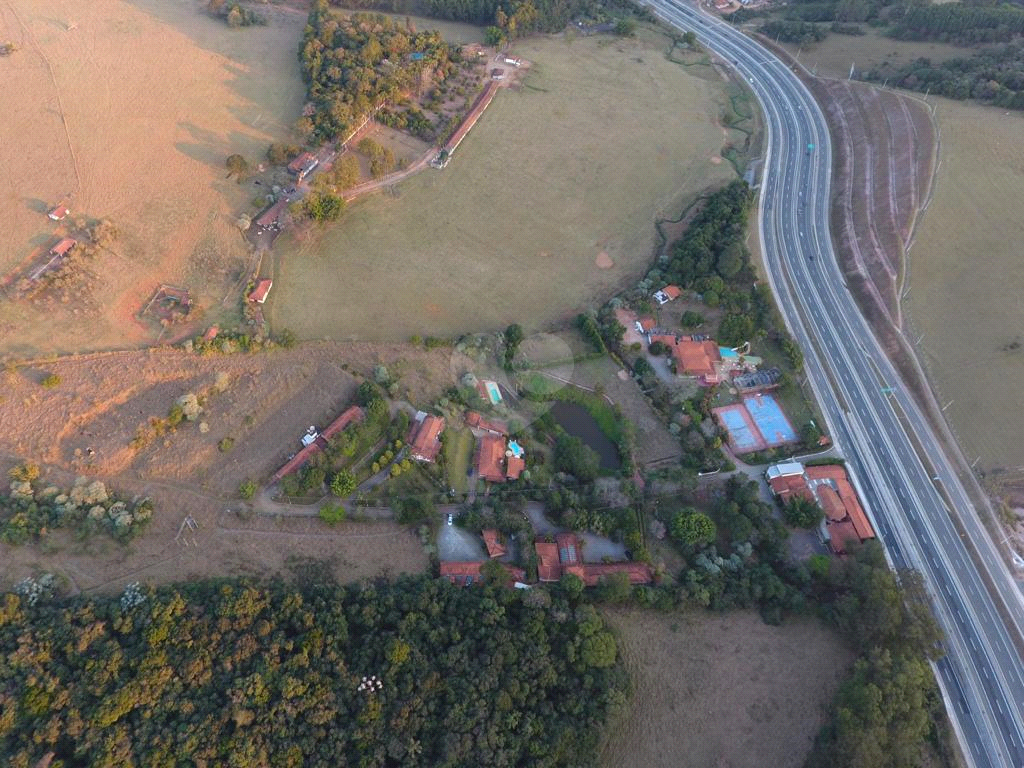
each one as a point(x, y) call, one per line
point(450, 518)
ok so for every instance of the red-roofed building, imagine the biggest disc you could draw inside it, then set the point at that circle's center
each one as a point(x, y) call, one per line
point(64, 247)
point(646, 324)
point(490, 452)
point(593, 573)
point(59, 213)
point(462, 574)
point(667, 294)
point(829, 486)
point(303, 165)
point(211, 333)
point(698, 358)
point(261, 290)
point(477, 422)
point(514, 467)
point(563, 556)
point(494, 546)
point(425, 438)
point(352, 415)
point(269, 218)
point(548, 567)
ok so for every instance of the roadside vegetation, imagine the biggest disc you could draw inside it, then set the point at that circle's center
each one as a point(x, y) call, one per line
point(993, 74)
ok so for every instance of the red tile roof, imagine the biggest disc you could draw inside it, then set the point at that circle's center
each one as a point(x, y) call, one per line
point(63, 247)
point(840, 534)
point(548, 567)
point(301, 162)
point(846, 494)
point(490, 452)
point(697, 358)
point(471, 117)
point(516, 465)
point(672, 291)
point(59, 212)
point(647, 324)
point(270, 215)
point(465, 573)
point(351, 415)
point(425, 440)
point(831, 503)
point(261, 290)
point(475, 421)
point(211, 333)
point(494, 546)
point(639, 573)
point(668, 339)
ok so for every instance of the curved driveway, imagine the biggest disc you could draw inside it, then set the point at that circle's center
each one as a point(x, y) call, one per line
point(874, 421)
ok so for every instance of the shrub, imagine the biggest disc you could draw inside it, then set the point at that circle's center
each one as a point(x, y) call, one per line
point(343, 484)
point(247, 489)
point(226, 444)
point(332, 514)
point(51, 381)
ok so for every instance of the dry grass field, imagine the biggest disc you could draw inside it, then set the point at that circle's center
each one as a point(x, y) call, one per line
point(966, 282)
point(833, 56)
point(548, 206)
point(223, 545)
point(268, 400)
point(722, 690)
point(129, 108)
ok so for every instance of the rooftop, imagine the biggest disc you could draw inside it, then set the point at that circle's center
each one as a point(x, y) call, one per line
point(696, 358)
point(261, 290)
point(425, 442)
point(475, 421)
point(494, 546)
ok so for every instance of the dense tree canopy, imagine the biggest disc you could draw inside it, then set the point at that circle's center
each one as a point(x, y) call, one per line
point(413, 673)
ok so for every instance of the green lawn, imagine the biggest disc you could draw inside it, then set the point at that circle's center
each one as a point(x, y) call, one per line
point(458, 453)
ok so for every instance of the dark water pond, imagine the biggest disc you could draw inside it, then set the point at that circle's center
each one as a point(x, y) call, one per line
point(575, 420)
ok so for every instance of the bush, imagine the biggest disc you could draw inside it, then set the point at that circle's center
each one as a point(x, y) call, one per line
point(332, 514)
point(226, 444)
point(343, 484)
point(247, 489)
point(51, 381)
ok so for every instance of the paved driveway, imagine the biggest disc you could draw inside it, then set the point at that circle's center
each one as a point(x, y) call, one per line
point(458, 545)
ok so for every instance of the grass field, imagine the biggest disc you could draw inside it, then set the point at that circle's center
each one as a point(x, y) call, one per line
point(547, 207)
point(458, 451)
point(833, 56)
point(128, 109)
point(722, 690)
point(966, 281)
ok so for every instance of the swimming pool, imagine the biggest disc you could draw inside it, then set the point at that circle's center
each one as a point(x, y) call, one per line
point(493, 392)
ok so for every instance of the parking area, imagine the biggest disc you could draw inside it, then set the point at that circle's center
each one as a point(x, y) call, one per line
point(456, 545)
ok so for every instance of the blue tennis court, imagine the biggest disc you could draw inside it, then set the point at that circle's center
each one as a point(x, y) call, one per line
point(771, 422)
point(741, 435)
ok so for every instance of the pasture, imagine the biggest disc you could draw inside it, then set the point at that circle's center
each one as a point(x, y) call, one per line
point(966, 282)
point(128, 109)
point(546, 208)
point(722, 689)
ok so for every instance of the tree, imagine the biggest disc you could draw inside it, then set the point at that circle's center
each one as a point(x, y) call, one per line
point(802, 513)
point(280, 153)
point(625, 27)
point(513, 338)
point(615, 588)
point(571, 585)
point(576, 458)
point(247, 489)
point(237, 166)
point(494, 36)
point(323, 206)
point(599, 650)
point(692, 528)
point(343, 484)
point(691, 319)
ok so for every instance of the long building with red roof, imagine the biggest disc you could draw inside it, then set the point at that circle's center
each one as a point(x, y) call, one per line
point(350, 416)
point(425, 438)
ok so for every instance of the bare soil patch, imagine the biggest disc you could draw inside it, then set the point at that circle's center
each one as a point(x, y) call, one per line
point(128, 110)
point(722, 690)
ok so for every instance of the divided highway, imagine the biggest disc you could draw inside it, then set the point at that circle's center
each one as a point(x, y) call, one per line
point(877, 424)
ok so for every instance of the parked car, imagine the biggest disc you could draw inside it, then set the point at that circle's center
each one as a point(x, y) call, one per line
point(450, 518)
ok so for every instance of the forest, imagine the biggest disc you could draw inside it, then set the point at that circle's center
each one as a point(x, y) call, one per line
point(960, 23)
point(993, 76)
point(411, 673)
point(354, 65)
point(514, 17)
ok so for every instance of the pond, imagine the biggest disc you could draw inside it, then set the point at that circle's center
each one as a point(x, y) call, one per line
point(575, 420)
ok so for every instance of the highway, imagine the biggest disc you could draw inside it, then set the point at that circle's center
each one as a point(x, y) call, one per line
point(900, 469)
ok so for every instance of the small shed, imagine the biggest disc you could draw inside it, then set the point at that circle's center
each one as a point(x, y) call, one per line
point(260, 292)
point(59, 213)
